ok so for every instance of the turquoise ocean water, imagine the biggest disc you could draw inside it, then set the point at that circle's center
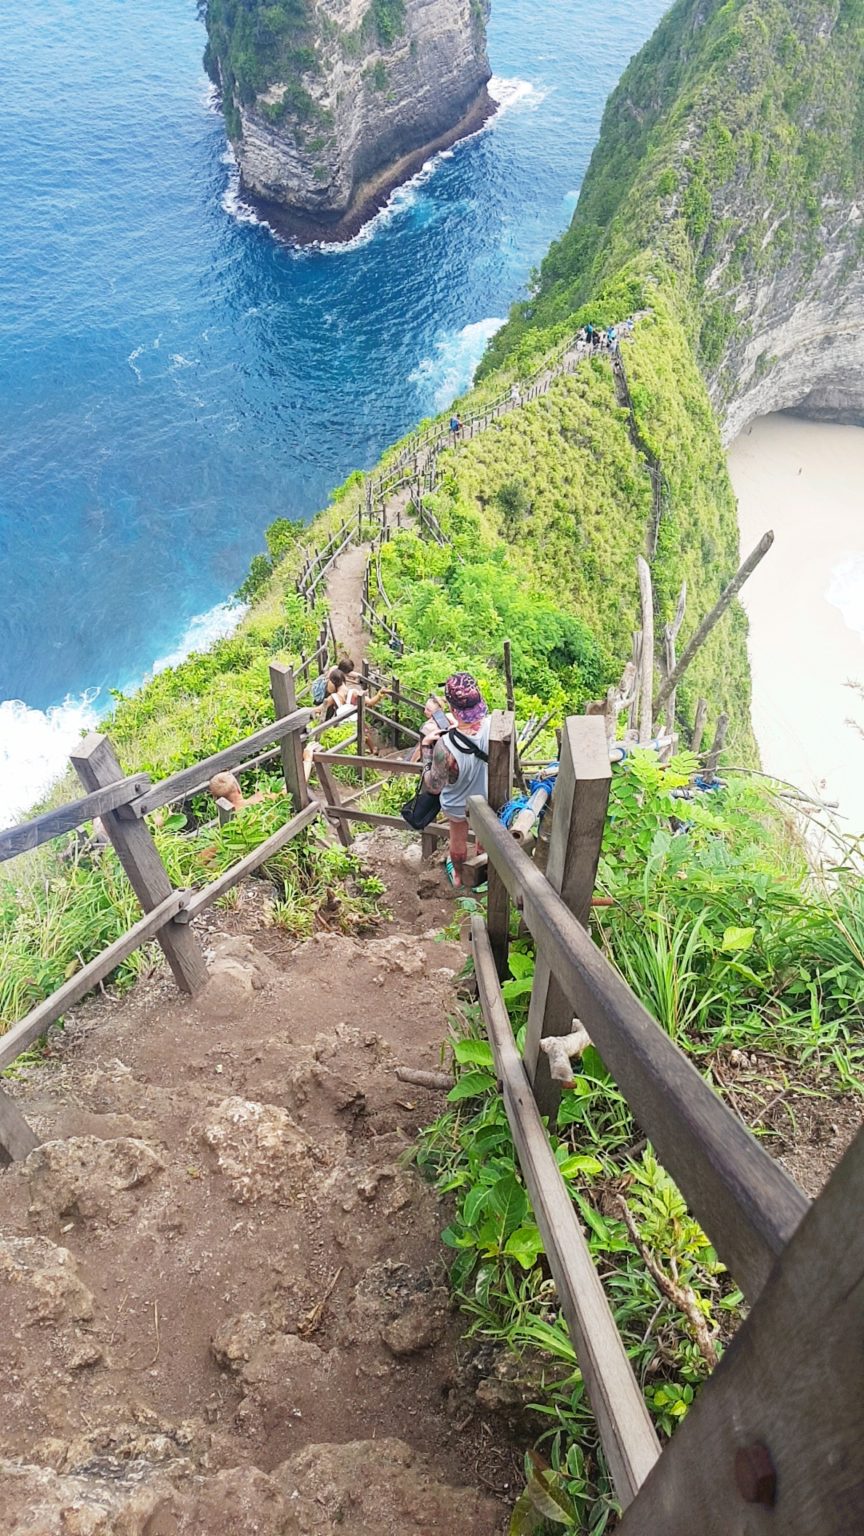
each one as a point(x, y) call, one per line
point(173, 378)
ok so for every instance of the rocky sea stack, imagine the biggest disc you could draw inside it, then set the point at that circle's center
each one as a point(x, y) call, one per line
point(331, 103)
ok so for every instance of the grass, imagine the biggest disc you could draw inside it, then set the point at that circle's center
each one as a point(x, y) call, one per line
point(725, 935)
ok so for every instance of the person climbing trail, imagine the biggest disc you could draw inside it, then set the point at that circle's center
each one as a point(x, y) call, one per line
point(459, 765)
point(455, 427)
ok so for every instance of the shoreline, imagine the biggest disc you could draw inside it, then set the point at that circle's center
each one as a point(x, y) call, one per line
point(805, 603)
point(301, 229)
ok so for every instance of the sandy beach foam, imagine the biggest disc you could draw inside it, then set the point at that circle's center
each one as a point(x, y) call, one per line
point(806, 601)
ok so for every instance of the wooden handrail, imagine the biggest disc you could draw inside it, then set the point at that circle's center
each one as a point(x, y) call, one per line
point(385, 764)
point(35, 1023)
point(247, 865)
point(746, 1202)
point(180, 784)
point(67, 818)
point(628, 1436)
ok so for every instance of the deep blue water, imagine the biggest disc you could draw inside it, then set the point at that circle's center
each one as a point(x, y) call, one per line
point(173, 378)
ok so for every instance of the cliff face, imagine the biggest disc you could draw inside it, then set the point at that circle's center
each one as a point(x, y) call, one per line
point(732, 156)
point(330, 103)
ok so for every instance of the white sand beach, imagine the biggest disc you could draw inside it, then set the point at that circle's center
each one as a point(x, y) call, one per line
point(806, 601)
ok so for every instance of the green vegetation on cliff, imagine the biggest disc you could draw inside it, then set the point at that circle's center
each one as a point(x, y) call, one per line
point(251, 44)
point(731, 139)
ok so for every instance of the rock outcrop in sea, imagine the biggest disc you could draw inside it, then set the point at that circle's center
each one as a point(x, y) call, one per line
point(332, 103)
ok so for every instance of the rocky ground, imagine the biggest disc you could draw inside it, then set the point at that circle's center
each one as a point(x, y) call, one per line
point(225, 1307)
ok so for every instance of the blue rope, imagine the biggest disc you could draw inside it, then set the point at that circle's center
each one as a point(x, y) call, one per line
point(511, 810)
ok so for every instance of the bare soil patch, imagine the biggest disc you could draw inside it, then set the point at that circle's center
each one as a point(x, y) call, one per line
point(226, 1309)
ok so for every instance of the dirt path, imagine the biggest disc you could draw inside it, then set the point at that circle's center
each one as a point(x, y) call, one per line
point(225, 1306)
point(344, 591)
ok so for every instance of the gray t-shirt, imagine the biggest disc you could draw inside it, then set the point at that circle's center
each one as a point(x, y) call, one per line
point(473, 776)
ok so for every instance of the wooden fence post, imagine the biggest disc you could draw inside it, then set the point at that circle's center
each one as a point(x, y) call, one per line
point(96, 765)
point(717, 746)
point(579, 816)
point(333, 800)
point(699, 725)
point(225, 811)
point(501, 751)
point(361, 733)
point(17, 1139)
point(751, 1456)
point(646, 723)
point(396, 699)
point(284, 693)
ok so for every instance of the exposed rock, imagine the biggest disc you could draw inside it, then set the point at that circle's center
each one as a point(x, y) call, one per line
point(356, 102)
point(237, 1339)
point(50, 1288)
point(281, 1374)
point(137, 1498)
point(420, 1325)
point(88, 1178)
point(402, 1307)
point(370, 1486)
point(259, 1149)
point(236, 970)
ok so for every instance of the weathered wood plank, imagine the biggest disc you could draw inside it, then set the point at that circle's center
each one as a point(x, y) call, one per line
point(646, 685)
point(252, 861)
point(502, 733)
point(26, 1030)
point(746, 1202)
point(388, 720)
point(30, 834)
point(699, 725)
point(95, 762)
point(752, 1455)
point(284, 694)
point(697, 640)
point(182, 783)
point(332, 797)
point(717, 745)
point(580, 802)
point(17, 1138)
point(384, 764)
point(625, 1426)
point(435, 829)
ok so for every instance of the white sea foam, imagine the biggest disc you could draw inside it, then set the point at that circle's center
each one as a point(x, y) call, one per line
point(510, 93)
point(451, 368)
point(846, 591)
point(232, 200)
point(507, 94)
point(131, 360)
point(202, 632)
point(34, 746)
point(35, 743)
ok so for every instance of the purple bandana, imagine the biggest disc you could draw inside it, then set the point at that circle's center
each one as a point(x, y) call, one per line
point(464, 697)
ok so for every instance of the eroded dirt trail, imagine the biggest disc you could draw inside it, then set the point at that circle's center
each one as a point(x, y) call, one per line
point(344, 591)
point(224, 1303)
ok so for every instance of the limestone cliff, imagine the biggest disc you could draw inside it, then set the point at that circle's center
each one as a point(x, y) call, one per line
point(730, 158)
point(330, 103)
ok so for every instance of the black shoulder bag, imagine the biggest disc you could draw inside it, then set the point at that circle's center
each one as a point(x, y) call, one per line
point(423, 807)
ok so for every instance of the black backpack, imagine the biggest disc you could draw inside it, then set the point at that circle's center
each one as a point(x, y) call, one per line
point(423, 807)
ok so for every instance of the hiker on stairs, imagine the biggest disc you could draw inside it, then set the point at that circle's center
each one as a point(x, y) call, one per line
point(459, 764)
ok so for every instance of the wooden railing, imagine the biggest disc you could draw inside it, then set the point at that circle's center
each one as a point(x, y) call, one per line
point(755, 1454)
point(122, 803)
point(415, 470)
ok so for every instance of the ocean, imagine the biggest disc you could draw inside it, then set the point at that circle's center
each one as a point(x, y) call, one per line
point(173, 378)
